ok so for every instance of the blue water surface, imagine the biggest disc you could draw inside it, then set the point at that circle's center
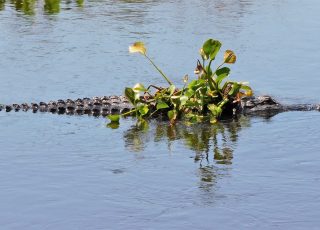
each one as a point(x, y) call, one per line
point(72, 172)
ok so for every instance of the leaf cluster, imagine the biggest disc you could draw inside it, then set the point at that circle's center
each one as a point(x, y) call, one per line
point(207, 96)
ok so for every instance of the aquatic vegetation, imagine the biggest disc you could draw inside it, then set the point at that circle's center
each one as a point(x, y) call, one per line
point(207, 97)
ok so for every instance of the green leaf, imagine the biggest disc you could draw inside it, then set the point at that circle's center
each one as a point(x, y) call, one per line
point(191, 104)
point(143, 109)
point(130, 95)
point(215, 110)
point(211, 48)
point(139, 88)
point(192, 84)
point(114, 118)
point(189, 93)
point(235, 89)
point(172, 115)
point(171, 89)
point(183, 100)
point(162, 105)
point(246, 87)
point(222, 74)
point(196, 84)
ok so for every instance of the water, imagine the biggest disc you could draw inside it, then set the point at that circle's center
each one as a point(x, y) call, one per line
point(71, 172)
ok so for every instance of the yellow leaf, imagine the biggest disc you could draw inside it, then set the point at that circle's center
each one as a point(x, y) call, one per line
point(138, 47)
point(229, 57)
point(249, 93)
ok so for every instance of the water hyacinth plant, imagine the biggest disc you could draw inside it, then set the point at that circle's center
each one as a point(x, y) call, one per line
point(206, 97)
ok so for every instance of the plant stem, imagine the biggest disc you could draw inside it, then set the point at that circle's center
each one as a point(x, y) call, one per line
point(129, 112)
point(159, 70)
point(218, 67)
point(215, 83)
point(209, 65)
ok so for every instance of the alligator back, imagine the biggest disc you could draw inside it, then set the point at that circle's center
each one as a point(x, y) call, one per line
point(96, 106)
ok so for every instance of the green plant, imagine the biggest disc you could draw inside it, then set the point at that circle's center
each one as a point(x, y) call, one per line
point(206, 97)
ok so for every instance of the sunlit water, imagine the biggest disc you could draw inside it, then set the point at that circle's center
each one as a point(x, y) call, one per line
point(71, 172)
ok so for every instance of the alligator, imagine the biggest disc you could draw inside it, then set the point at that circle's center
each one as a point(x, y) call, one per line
point(265, 106)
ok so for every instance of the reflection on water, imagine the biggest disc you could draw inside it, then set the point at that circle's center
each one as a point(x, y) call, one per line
point(52, 6)
point(232, 9)
point(220, 139)
point(26, 6)
point(29, 7)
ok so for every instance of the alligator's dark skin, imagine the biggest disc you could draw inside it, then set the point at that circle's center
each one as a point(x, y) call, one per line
point(267, 106)
point(96, 106)
point(102, 106)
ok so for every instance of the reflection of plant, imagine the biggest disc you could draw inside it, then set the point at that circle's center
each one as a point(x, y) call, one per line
point(52, 6)
point(200, 138)
point(28, 7)
point(210, 94)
